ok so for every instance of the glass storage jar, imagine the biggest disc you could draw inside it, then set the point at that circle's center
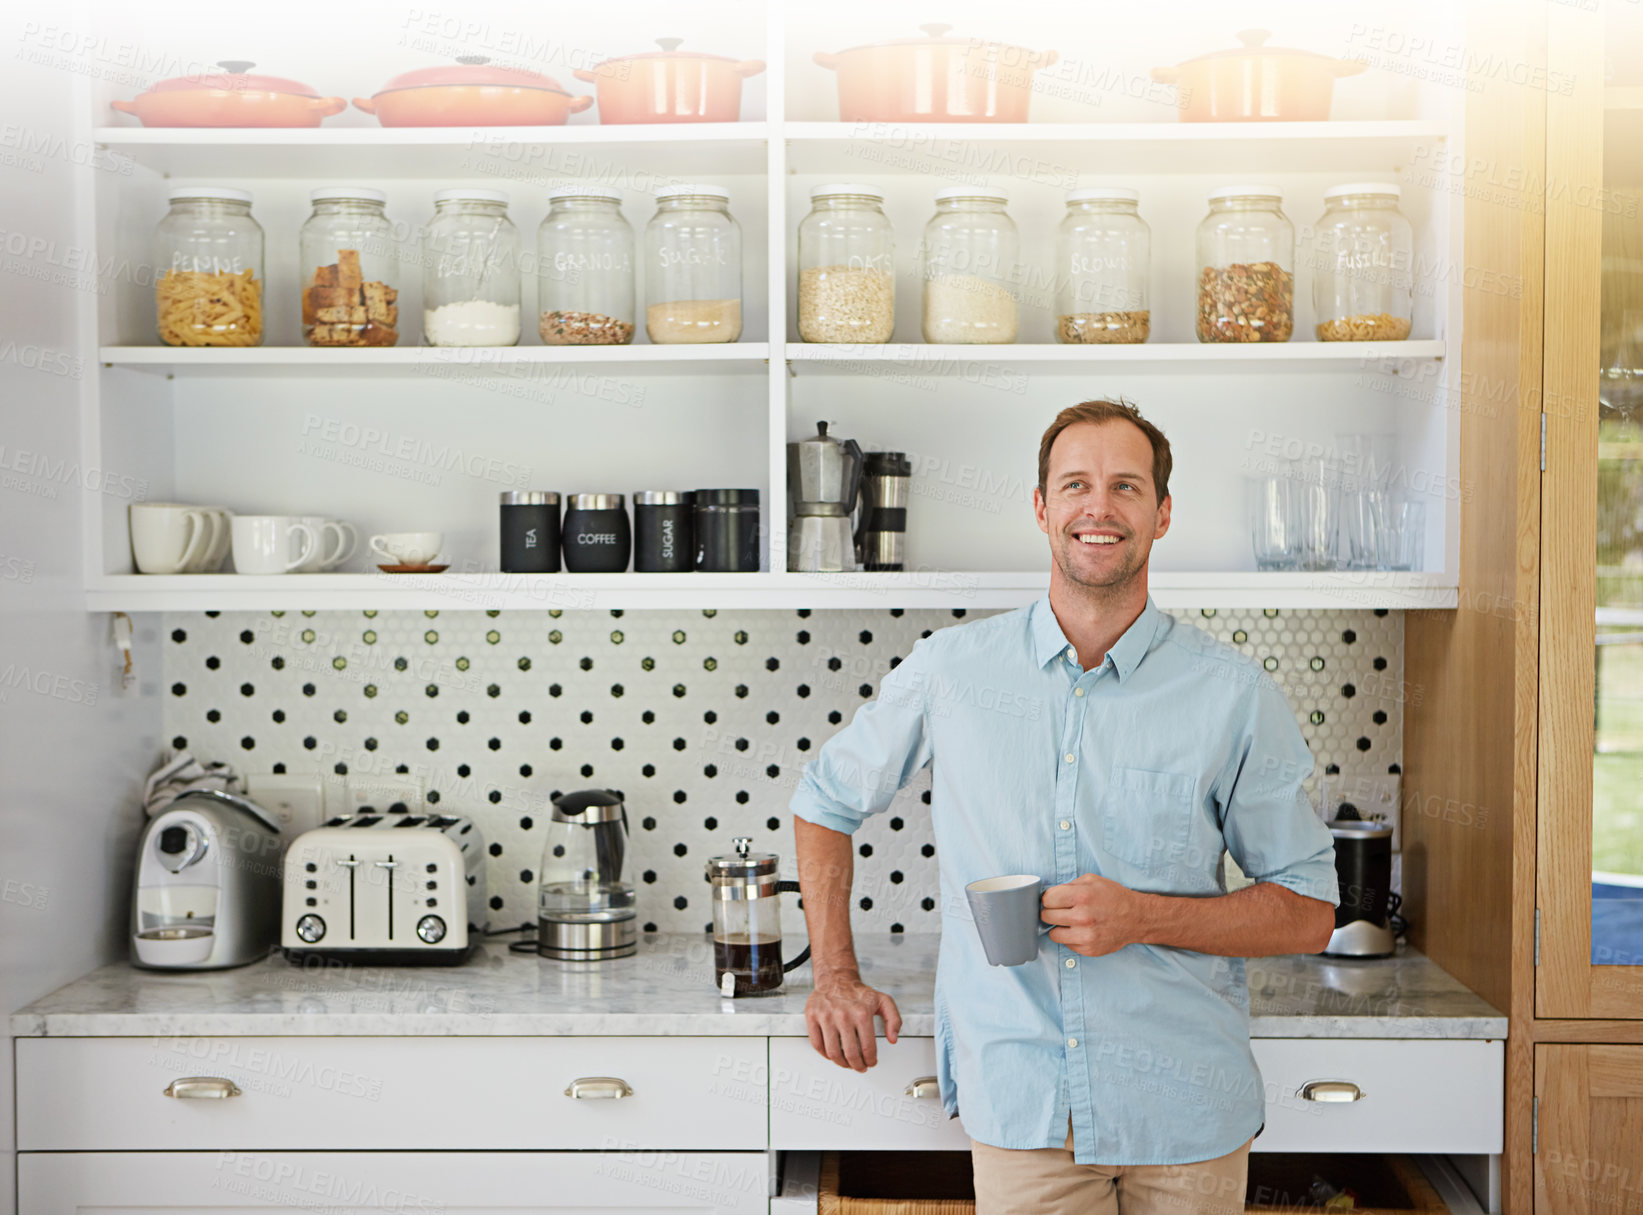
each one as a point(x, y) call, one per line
point(1246, 267)
point(349, 266)
point(1363, 274)
point(969, 268)
point(584, 269)
point(847, 273)
point(693, 267)
point(470, 271)
point(1103, 249)
point(208, 263)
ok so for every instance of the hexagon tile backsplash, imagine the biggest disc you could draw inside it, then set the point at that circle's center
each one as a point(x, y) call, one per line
point(703, 720)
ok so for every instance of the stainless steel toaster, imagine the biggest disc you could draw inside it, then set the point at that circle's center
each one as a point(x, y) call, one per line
point(387, 888)
point(206, 894)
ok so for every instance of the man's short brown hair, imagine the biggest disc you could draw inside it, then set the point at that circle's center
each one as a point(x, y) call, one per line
point(1107, 411)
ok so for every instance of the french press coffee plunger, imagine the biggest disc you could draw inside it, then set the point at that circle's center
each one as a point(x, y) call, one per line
point(747, 921)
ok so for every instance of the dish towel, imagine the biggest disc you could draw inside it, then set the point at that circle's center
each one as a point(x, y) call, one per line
point(179, 772)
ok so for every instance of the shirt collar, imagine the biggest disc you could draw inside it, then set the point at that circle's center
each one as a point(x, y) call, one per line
point(1126, 653)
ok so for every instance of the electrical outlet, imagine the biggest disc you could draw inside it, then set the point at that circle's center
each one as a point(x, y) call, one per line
point(385, 795)
point(1374, 795)
point(296, 800)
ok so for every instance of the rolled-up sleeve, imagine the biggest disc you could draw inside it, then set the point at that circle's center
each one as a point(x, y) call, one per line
point(1268, 821)
point(860, 769)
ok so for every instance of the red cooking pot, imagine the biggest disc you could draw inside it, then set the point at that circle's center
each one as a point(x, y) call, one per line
point(472, 93)
point(231, 98)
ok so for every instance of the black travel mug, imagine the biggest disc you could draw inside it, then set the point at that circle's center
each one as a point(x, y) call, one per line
point(596, 535)
point(663, 532)
point(727, 530)
point(530, 531)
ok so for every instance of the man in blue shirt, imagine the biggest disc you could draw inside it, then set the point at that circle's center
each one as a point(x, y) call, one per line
point(1096, 742)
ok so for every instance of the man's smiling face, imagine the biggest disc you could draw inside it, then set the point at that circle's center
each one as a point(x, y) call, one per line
point(1099, 506)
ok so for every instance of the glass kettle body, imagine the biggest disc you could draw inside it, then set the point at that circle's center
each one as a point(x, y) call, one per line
point(585, 904)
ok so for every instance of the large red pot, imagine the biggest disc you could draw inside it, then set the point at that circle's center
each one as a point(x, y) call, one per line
point(670, 85)
point(231, 98)
point(471, 93)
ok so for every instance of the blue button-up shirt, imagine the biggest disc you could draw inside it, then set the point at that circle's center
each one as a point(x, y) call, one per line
point(1145, 770)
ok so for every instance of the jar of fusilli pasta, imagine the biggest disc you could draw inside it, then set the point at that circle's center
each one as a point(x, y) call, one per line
point(208, 269)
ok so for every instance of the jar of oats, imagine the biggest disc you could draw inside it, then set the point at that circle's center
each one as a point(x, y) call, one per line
point(847, 274)
point(1246, 267)
point(584, 269)
point(969, 268)
point(1102, 253)
point(1363, 265)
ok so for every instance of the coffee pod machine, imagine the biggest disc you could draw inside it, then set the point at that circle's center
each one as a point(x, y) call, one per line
point(881, 532)
point(1363, 866)
point(823, 479)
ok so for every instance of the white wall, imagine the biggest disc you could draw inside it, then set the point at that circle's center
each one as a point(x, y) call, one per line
point(74, 746)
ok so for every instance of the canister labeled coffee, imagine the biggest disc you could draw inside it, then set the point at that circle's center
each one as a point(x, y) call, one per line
point(597, 539)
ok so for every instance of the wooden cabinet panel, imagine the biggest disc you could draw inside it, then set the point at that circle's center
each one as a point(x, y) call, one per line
point(1590, 1156)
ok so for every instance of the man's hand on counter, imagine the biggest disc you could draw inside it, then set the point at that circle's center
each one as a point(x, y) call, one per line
point(839, 1015)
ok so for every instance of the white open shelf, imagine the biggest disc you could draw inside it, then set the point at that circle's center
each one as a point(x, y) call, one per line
point(287, 428)
point(933, 589)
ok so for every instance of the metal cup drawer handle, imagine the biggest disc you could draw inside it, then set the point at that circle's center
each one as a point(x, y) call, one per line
point(196, 1087)
point(606, 1088)
point(1331, 1091)
point(924, 1086)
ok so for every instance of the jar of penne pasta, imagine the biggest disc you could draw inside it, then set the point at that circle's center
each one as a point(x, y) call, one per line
point(208, 269)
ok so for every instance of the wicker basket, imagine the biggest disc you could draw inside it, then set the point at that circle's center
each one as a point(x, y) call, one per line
point(1385, 1185)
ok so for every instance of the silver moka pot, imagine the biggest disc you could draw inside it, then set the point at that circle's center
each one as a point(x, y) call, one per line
point(823, 479)
point(585, 908)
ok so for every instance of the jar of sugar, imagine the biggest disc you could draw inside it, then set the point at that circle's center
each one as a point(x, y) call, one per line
point(470, 270)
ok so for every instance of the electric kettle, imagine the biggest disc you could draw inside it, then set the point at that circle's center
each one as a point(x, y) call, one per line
point(585, 907)
point(747, 921)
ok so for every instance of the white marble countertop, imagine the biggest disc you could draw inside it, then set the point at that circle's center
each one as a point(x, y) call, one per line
point(667, 989)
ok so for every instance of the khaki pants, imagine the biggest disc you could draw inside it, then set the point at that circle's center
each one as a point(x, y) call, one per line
point(1046, 1181)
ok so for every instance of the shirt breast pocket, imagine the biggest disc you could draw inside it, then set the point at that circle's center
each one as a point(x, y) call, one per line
point(1146, 818)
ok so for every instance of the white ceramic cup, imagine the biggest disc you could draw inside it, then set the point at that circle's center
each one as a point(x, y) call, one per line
point(168, 537)
point(216, 548)
point(263, 543)
point(337, 541)
point(407, 548)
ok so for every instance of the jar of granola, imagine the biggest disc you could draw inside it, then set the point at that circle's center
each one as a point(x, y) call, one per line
point(1246, 267)
point(1102, 253)
point(584, 267)
point(1363, 268)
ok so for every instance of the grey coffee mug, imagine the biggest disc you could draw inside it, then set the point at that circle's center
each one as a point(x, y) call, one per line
point(1006, 914)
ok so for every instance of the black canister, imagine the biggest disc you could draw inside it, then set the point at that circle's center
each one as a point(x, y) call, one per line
point(596, 535)
point(530, 531)
point(663, 531)
point(727, 530)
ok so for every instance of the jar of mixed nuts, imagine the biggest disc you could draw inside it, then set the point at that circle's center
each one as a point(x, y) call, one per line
point(1103, 247)
point(348, 262)
point(693, 267)
point(584, 269)
point(969, 268)
point(847, 274)
point(1246, 267)
point(1363, 272)
point(470, 270)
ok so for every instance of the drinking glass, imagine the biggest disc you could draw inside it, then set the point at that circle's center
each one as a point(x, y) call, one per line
point(1272, 521)
point(1316, 494)
point(1401, 533)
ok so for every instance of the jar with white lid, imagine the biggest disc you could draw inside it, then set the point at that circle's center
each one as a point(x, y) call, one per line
point(348, 264)
point(969, 268)
point(1103, 251)
point(847, 273)
point(584, 269)
point(1363, 274)
point(1246, 267)
point(470, 270)
point(208, 288)
point(693, 267)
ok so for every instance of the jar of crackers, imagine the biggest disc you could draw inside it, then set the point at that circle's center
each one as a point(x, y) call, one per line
point(348, 261)
point(208, 269)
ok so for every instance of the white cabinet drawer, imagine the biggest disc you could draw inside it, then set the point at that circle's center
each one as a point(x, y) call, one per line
point(1419, 1095)
point(107, 1094)
point(397, 1183)
point(814, 1103)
